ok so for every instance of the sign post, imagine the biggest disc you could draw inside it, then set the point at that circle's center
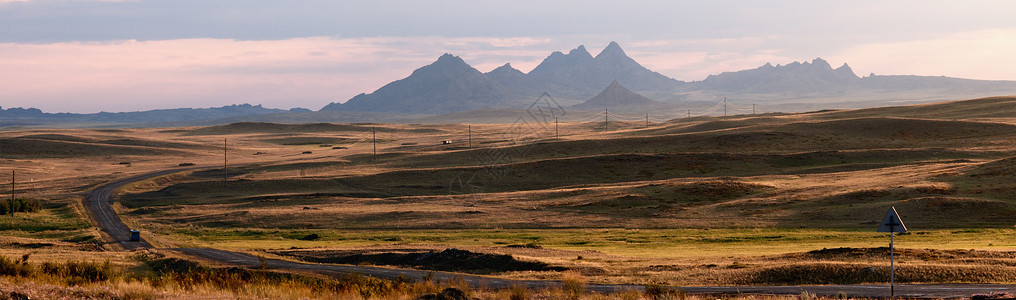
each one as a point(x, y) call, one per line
point(892, 223)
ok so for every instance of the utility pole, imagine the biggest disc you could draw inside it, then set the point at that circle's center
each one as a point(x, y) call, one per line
point(647, 120)
point(689, 113)
point(225, 161)
point(605, 124)
point(373, 134)
point(724, 106)
point(557, 133)
point(469, 130)
point(753, 109)
point(12, 194)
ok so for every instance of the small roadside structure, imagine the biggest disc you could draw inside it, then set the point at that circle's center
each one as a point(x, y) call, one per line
point(135, 235)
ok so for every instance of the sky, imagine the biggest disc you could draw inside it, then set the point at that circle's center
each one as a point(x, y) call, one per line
point(86, 56)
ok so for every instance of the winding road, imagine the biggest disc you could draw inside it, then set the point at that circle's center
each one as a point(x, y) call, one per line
point(98, 202)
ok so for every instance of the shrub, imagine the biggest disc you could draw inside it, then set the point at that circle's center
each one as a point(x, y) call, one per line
point(10, 267)
point(75, 273)
point(19, 205)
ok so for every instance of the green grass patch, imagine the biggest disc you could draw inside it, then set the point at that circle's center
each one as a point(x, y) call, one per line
point(58, 219)
point(639, 243)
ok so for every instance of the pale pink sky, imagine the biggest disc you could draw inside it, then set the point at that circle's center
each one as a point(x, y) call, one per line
point(50, 67)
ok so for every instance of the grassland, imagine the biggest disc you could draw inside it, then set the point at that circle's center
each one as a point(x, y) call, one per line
point(719, 200)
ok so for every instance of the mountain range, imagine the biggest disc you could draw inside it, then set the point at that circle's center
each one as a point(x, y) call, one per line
point(452, 85)
point(577, 80)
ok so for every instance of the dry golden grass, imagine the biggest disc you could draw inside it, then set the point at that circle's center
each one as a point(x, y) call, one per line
point(637, 204)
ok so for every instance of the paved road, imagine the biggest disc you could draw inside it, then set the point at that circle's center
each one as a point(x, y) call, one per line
point(97, 203)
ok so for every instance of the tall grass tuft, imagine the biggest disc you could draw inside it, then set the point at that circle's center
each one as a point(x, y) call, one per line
point(75, 273)
point(519, 292)
point(574, 284)
point(655, 290)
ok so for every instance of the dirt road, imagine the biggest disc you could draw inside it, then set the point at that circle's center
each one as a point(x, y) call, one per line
point(97, 203)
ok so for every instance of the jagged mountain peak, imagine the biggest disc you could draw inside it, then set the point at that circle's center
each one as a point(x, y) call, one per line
point(845, 68)
point(613, 50)
point(450, 84)
point(580, 51)
point(505, 70)
point(818, 62)
point(447, 85)
point(447, 64)
point(807, 76)
point(449, 59)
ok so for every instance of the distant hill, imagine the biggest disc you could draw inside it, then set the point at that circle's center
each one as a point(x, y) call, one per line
point(617, 97)
point(32, 116)
point(817, 83)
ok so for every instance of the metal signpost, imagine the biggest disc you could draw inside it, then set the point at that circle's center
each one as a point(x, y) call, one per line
point(892, 223)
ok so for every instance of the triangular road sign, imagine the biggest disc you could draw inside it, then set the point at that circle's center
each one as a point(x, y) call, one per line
point(891, 222)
